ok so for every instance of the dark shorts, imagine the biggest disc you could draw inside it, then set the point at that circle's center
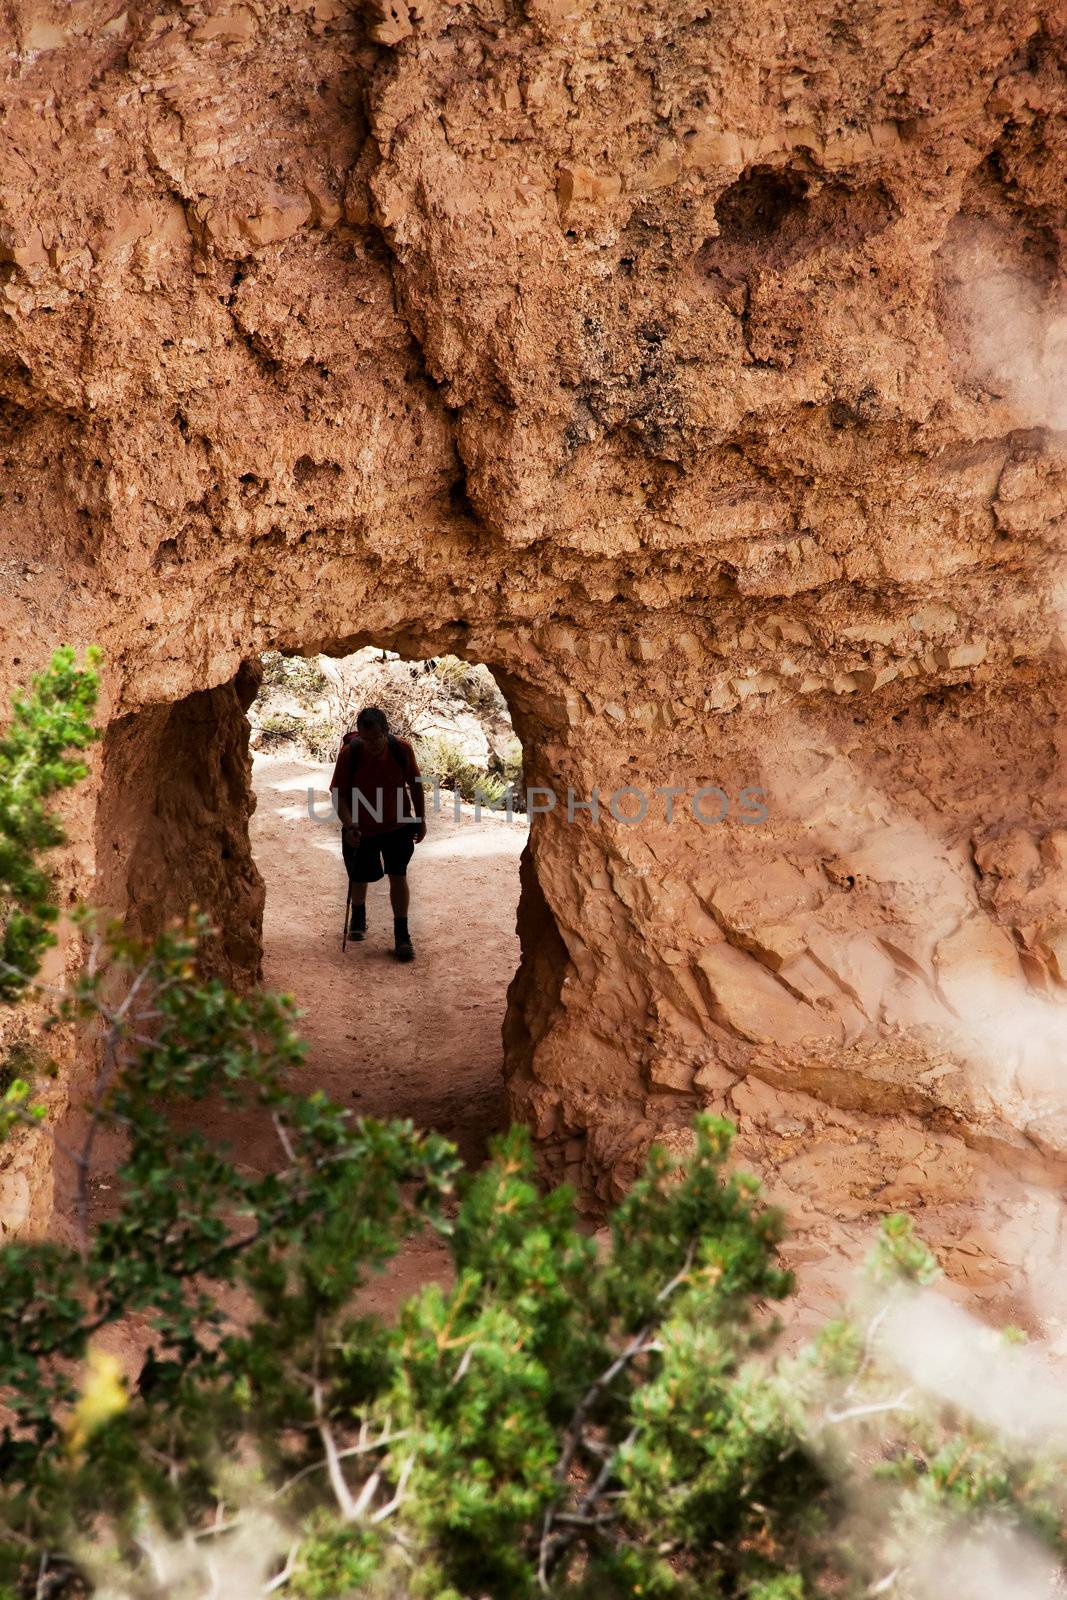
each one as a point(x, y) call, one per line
point(379, 853)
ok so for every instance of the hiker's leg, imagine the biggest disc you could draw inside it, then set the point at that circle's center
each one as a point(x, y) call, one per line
point(357, 922)
point(399, 897)
point(397, 850)
point(363, 865)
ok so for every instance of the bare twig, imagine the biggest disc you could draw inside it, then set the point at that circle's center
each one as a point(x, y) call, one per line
point(553, 1545)
point(593, 1493)
point(286, 1573)
point(112, 1065)
point(871, 1409)
point(283, 1136)
point(363, 1449)
point(333, 1462)
point(464, 1365)
point(218, 1528)
point(573, 1519)
point(398, 1493)
point(868, 1348)
point(680, 1276)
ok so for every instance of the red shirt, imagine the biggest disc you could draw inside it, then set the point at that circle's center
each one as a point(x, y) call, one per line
point(378, 790)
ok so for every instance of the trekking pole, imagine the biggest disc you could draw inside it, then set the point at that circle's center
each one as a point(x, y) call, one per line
point(348, 902)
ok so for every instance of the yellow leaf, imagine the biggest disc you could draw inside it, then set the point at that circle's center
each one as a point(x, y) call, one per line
point(103, 1395)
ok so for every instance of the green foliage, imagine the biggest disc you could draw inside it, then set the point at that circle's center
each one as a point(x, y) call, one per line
point(279, 727)
point(315, 736)
point(442, 758)
point(320, 738)
point(47, 723)
point(299, 676)
point(511, 769)
point(900, 1255)
point(405, 692)
point(571, 1417)
point(304, 681)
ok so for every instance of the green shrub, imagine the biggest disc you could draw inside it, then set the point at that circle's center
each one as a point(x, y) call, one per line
point(299, 676)
point(511, 771)
point(280, 727)
point(320, 739)
point(489, 789)
point(315, 737)
point(442, 758)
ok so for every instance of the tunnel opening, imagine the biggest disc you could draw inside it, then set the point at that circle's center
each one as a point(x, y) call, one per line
point(209, 801)
point(420, 1039)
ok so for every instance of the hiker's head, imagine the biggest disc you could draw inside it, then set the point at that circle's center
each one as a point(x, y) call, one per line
point(372, 725)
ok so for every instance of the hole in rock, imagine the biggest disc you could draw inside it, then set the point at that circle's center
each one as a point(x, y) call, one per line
point(207, 800)
point(759, 203)
point(773, 217)
point(420, 1039)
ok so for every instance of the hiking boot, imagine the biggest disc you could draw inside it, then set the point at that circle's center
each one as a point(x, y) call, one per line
point(357, 933)
point(404, 950)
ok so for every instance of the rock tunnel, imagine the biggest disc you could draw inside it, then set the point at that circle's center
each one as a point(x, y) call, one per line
point(679, 402)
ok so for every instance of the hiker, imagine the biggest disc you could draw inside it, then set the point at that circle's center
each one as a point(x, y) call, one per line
point(381, 806)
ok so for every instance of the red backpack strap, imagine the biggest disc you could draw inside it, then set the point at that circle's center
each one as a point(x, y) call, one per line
point(398, 752)
point(352, 741)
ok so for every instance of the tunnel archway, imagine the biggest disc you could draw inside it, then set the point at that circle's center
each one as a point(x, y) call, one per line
point(391, 1039)
point(176, 827)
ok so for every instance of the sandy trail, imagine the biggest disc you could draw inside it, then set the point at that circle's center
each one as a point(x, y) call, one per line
point(419, 1040)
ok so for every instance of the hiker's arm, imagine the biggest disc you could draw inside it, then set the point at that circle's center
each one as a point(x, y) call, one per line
point(342, 783)
point(418, 797)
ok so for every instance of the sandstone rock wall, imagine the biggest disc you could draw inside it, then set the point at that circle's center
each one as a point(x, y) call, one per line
point(172, 823)
point(697, 367)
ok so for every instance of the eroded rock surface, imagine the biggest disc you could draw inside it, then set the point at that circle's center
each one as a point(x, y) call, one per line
point(699, 368)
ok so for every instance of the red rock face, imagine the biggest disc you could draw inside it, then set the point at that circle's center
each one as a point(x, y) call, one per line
point(699, 368)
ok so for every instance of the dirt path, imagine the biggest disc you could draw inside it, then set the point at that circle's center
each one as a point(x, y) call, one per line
point(420, 1040)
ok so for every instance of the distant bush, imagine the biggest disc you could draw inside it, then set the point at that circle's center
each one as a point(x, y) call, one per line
point(409, 693)
point(510, 767)
point(403, 695)
point(489, 788)
point(280, 727)
point(475, 683)
point(299, 676)
point(442, 758)
point(320, 739)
